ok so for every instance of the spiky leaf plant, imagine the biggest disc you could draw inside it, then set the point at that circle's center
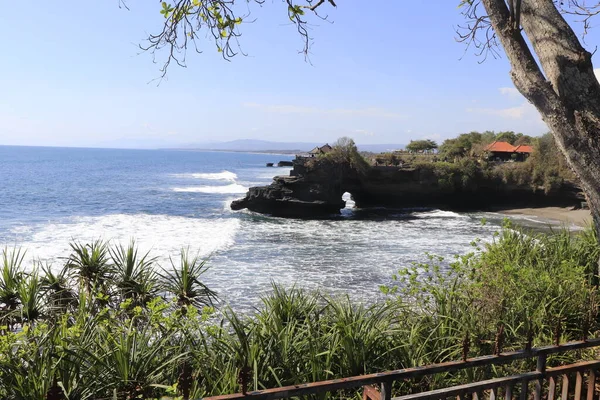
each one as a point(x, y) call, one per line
point(183, 281)
point(133, 275)
point(91, 263)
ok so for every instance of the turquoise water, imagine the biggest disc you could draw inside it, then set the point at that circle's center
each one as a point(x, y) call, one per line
point(168, 200)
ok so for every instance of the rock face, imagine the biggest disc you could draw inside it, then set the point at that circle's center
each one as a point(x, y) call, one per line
point(314, 189)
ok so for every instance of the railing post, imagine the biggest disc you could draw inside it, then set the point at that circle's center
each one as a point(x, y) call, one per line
point(541, 368)
point(591, 386)
point(524, 389)
point(565, 387)
point(494, 393)
point(578, 385)
point(508, 389)
point(551, 388)
point(386, 390)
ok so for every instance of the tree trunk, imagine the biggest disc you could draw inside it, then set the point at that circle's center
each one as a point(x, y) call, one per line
point(567, 93)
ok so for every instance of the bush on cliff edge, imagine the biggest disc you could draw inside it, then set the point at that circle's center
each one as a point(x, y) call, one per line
point(345, 152)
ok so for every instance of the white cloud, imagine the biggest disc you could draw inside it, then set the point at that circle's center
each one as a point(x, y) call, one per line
point(597, 73)
point(372, 112)
point(509, 91)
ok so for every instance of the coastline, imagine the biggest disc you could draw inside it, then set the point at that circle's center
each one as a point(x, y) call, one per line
point(581, 218)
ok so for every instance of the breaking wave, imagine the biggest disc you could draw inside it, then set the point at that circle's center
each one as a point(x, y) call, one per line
point(234, 188)
point(163, 235)
point(212, 176)
point(440, 214)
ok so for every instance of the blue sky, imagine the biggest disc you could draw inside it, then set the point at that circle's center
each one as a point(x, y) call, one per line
point(388, 72)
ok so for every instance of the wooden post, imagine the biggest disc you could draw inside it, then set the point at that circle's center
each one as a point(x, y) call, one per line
point(578, 385)
point(551, 388)
point(386, 390)
point(524, 389)
point(541, 368)
point(591, 385)
point(493, 393)
point(565, 387)
point(508, 391)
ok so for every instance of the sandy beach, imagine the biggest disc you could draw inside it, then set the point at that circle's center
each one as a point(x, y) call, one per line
point(564, 214)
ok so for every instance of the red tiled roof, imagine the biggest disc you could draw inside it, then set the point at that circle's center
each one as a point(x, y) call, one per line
point(501, 147)
point(523, 149)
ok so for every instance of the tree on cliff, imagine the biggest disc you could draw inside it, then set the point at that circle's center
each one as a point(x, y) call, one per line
point(420, 146)
point(550, 67)
point(464, 144)
point(513, 138)
point(344, 151)
point(474, 143)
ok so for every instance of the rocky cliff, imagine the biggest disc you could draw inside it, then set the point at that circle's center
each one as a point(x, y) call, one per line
point(315, 188)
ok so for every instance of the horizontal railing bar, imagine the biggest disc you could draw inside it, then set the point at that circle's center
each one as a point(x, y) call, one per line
point(407, 373)
point(471, 387)
point(577, 345)
point(565, 369)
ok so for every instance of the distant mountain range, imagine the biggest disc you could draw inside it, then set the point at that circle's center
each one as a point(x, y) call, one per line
point(288, 147)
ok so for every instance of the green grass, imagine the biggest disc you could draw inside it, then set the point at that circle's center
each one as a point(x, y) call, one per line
point(111, 324)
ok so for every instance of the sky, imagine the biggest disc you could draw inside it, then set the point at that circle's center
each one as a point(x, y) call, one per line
point(381, 71)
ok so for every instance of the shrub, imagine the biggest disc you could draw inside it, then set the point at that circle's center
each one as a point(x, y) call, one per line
point(112, 341)
point(344, 151)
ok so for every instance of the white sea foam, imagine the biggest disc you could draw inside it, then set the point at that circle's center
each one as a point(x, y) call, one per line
point(350, 204)
point(219, 176)
point(440, 214)
point(163, 235)
point(216, 176)
point(336, 256)
point(227, 204)
point(234, 188)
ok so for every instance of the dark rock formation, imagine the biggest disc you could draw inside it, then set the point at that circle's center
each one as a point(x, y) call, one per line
point(315, 188)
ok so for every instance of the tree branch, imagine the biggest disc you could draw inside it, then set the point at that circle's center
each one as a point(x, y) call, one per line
point(221, 22)
point(526, 73)
point(314, 7)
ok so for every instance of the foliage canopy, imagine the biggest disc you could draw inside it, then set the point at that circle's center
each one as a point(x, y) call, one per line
point(420, 146)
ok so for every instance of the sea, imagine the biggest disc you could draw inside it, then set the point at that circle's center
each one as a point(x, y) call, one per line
point(169, 200)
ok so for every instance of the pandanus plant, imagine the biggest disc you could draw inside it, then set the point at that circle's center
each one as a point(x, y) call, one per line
point(131, 361)
point(91, 263)
point(10, 277)
point(133, 275)
point(57, 288)
point(31, 298)
point(183, 282)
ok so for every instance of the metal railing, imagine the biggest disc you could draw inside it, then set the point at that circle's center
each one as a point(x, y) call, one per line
point(545, 380)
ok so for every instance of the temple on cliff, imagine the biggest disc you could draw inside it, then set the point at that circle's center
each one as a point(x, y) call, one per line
point(320, 150)
point(504, 151)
